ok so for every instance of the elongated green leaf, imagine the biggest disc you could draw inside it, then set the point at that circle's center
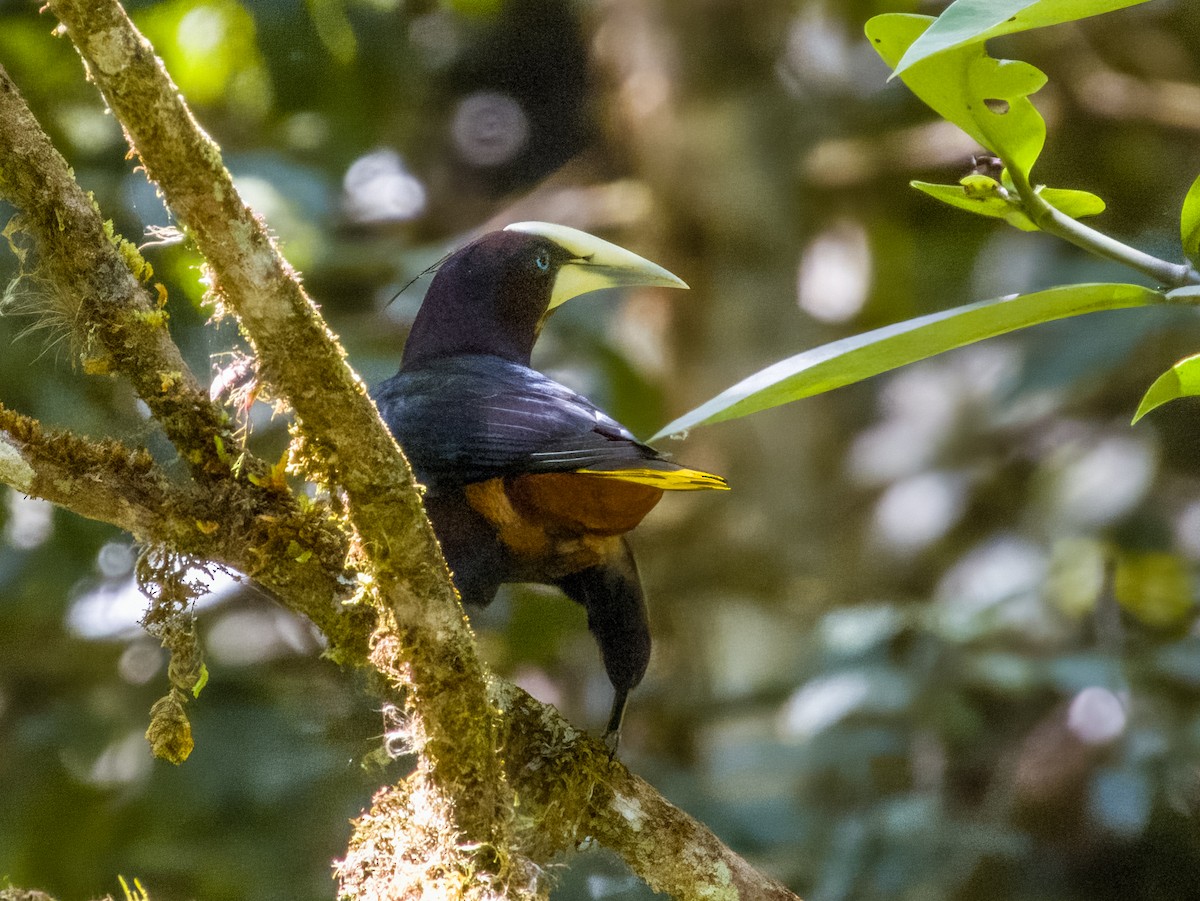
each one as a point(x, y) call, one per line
point(1189, 223)
point(1181, 380)
point(974, 21)
point(862, 356)
point(987, 98)
point(979, 199)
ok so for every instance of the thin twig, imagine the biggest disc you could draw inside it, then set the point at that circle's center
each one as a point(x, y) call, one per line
point(1054, 222)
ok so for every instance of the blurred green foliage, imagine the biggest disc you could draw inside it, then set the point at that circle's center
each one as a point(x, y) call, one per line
point(940, 641)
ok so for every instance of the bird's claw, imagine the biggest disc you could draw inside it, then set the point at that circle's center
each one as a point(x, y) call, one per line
point(612, 738)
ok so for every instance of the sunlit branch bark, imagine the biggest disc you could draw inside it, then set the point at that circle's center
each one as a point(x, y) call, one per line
point(575, 792)
point(572, 792)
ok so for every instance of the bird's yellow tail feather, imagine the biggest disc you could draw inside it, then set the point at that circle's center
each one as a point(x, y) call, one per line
point(666, 479)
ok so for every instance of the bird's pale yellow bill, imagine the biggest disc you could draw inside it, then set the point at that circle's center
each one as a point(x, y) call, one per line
point(595, 263)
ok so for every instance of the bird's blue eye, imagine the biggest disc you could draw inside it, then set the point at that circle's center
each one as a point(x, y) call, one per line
point(543, 260)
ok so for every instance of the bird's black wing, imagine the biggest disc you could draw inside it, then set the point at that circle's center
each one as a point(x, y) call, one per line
point(470, 418)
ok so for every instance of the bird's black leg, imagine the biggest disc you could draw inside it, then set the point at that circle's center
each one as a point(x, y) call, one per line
point(616, 610)
point(612, 732)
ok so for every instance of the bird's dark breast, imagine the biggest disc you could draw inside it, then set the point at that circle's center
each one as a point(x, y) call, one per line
point(555, 524)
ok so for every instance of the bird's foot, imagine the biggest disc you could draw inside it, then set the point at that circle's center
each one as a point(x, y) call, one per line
point(612, 732)
point(611, 739)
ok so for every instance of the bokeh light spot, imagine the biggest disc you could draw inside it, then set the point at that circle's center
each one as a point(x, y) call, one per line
point(835, 273)
point(823, 703)
point(1003, 572)
point(379, 188)
point(917, 511)
point(246, 637)
point(1096, 716)
point(201, 30)
point(141, 662)
point(489, 128)
point(122, 762)
point(115, 559)
point(30, 521)
point(1095, 482)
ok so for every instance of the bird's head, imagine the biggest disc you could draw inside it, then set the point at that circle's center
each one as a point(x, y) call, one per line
point(493, 295)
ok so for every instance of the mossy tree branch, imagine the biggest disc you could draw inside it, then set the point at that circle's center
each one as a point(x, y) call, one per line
point(104, 481)
point(85, 272)
point(574, 791)
point(219, 522)
point(473, 762)
point(90, 270)
point(431, 651)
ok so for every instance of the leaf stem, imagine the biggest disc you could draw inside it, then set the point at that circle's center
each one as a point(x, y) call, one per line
point(1053, 221)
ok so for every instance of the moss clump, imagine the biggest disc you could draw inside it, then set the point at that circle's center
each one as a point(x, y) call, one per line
point(170, 731)
point(164, 577)
point(138, 265)
point(407, 847)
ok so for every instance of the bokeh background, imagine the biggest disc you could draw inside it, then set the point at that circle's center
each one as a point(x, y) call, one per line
point(939, 642)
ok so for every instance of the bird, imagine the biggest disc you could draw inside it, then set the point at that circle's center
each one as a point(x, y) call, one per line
point(524, 479)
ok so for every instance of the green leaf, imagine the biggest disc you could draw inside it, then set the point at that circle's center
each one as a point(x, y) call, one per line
point(975, 21)
point(979, 198)
point(862, 356)
point(1189, 223)
point(985, 97)
point(975, 196)
point(1075, 204)
point(1181, 380)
